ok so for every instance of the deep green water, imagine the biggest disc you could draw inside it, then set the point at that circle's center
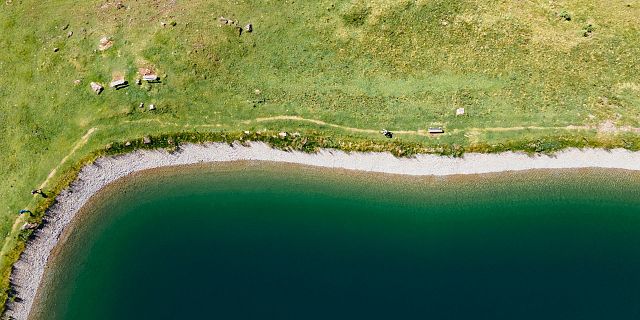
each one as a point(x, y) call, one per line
point(269, 241)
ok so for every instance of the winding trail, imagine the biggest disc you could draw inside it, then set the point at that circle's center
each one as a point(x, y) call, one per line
point(21, 220)
point(314, 121)
point(415, 132)
point(423, 133)
point(85, 138)
point(175, 124)
point(77, 146)
point(605, 127)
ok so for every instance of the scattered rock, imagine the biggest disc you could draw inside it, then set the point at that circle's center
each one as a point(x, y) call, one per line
point(282, 135)
point(29, 226)
point(96, 87)
point(138, 81)
point(65, 27)
point(460, 112)
point(162, 23)
point(77, 81)
point(105, 43)
point(127, 144)
point(69, 34)
point(152, 107)
point(56, 49)
point(119, 6)
point(257, 92)
point(246, 132)
point(141, 105)
point(235, 24)
point(146, 140)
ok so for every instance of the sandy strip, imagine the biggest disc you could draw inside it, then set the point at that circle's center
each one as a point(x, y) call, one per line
point(29, 270)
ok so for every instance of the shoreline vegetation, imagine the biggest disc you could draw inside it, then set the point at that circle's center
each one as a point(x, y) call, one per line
point(76, 186)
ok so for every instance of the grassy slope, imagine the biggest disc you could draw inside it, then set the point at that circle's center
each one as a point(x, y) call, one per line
point(401, 65)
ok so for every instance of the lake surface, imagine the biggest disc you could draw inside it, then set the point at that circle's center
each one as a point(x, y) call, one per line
point(271, 241)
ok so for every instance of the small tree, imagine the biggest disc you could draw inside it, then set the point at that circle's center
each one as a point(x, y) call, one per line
point(588, 30)
point(565, 15)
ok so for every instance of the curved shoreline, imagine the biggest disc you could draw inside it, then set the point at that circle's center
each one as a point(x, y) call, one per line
point(28, 272)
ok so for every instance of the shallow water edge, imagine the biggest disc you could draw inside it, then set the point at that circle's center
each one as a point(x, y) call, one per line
point(28, 272)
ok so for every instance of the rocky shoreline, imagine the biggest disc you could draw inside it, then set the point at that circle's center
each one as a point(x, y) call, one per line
point(28, 272)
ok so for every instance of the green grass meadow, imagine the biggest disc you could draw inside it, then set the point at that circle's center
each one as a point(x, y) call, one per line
point(396, 64)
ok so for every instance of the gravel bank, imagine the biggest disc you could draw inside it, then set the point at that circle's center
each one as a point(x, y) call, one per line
point(28, 271)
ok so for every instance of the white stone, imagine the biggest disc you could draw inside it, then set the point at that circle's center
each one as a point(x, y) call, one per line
point(96, 87)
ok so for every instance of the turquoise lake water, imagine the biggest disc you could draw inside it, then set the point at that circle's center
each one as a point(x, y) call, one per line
point(271, 241)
